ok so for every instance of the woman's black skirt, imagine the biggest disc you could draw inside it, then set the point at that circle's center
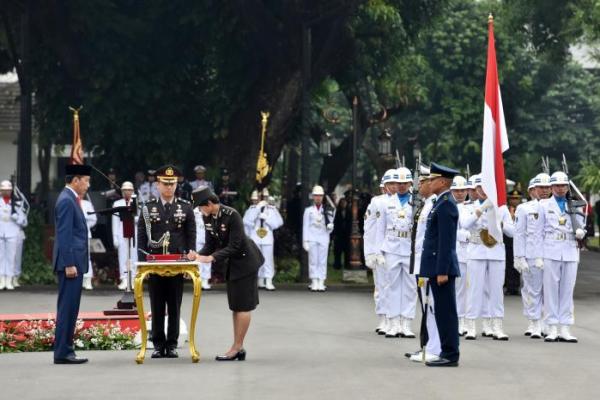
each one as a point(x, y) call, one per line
point(242, 294)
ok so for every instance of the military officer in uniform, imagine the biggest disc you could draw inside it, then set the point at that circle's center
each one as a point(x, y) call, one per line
point(200, 181)
point(226, 242)
point(487, 261)
point(394, 227)
point(528, 258)
point(373, 258)
point(440, 264)
point(262, 221)
point(205, 268)
point(166, 220)
point(559, 230)
point(459, 189)
point(91, 219)
point(12, 222)
point(149, 189)
point(121, 243)
point(317, 225)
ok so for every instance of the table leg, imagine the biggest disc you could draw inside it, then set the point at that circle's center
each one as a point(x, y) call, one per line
point(195, 306)
point(139, 302)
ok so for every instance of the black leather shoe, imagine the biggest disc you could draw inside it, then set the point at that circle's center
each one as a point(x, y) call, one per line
point(409, 355)
point(442, 362)
point(171, 352)
point(158, 353)
point(70, 360)
point(240, 356)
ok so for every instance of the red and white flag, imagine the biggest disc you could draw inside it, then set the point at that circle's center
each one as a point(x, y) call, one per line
point(495, 141)
point(77, 147)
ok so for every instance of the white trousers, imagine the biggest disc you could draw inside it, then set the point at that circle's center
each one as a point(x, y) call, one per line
point(461, 290)
point(8, 256)
point(317, 260)
point(122, 250)
point(381, 286)
point(480, 273)
point(205, 271)
point(434, 345)
point(267, 270)
point(402, 289)
point(559, 283)
point(531, 292)
point(19, 256)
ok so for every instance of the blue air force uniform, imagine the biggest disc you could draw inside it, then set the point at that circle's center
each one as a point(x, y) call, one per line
point(439, 258)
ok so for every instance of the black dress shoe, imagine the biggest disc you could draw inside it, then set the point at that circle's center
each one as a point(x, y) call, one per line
point(171, 352)
point(240, 355)
point(158, 353)
point(70, 360)
point(442, 362)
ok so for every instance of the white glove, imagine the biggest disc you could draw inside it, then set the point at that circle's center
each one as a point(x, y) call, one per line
point(261, 203)
point(262, 215)
point(539, 263)
point(521, 264)
point(14, 217)
point(371, 261)
point(579, 233)
point(305, 245)
point(116, 244)
point(330, 226)
point(380, 259)
point(487, 204)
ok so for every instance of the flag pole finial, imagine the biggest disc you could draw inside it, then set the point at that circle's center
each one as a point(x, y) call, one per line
point(490, 18)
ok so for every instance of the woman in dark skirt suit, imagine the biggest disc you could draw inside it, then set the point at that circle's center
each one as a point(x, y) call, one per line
point(226, 242)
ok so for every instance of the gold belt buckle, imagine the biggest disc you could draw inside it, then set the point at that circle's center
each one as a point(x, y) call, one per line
point(562, 221)
point(261, 232)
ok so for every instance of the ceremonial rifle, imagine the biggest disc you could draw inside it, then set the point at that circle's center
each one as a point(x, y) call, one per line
point(575, 200)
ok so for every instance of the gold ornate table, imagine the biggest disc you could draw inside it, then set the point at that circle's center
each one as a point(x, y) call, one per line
point(167, 268)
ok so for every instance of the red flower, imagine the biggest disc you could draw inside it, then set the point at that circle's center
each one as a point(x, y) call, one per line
point(20, 338)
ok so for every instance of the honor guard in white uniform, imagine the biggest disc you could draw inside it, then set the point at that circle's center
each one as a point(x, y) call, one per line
point(253, 202)
point(433, 346)
point(317, 225)
point(121, 243)
point(200, 181)
point(149, 189)
point(205, 268)
point(373, 259)
point(560, 227)
point(90, 220)
point(12, 221)
point(395, 227)
point(261, 221)
point(528, 255)
point(459, 189)
point(486, 264)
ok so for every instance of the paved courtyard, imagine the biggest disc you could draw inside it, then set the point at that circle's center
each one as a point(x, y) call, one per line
point(304, 345)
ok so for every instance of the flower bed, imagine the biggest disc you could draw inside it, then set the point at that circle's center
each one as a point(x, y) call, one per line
point(39, 336)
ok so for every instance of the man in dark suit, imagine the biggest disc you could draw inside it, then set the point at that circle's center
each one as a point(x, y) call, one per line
point(227, 242)
point(70, 259)
point(439, 263)
point(166, 219)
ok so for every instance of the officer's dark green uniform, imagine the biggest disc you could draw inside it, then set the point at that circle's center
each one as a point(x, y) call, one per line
point(177, 218)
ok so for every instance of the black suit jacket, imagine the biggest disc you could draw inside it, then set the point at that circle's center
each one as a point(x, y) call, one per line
point(227, 242)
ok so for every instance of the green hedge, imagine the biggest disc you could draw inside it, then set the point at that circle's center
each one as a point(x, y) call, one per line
point(36, 269)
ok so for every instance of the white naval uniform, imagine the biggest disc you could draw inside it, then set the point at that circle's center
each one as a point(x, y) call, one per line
point(121, 243)
point(527, 244)
point(395, 226)
point(11, 234)
point(485, 265)
point(561, 258)
point(195, 184)
point(462, 245)
point(272, 221)
point(316, 233)
point(91, 220)
point(434, 345)
point(205, 268)
point(370, 241)
point(148, 191)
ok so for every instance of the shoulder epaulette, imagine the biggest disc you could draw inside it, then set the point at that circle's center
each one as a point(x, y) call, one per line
point(227, 210)
point(183, 201)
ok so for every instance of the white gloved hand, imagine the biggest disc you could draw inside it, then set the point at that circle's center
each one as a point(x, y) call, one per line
point(14, 217)
point(517, 264)
point(539, 263)
point(261, 203)
point(262, 215)
point(521, 264)
point(371, 261)
point(330, 226)
point(487, 204)
point(305, 245)
point(579, 233)
point(380, 260)
point(116, 244)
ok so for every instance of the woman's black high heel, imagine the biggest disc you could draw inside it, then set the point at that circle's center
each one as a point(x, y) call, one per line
point(240, 356)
